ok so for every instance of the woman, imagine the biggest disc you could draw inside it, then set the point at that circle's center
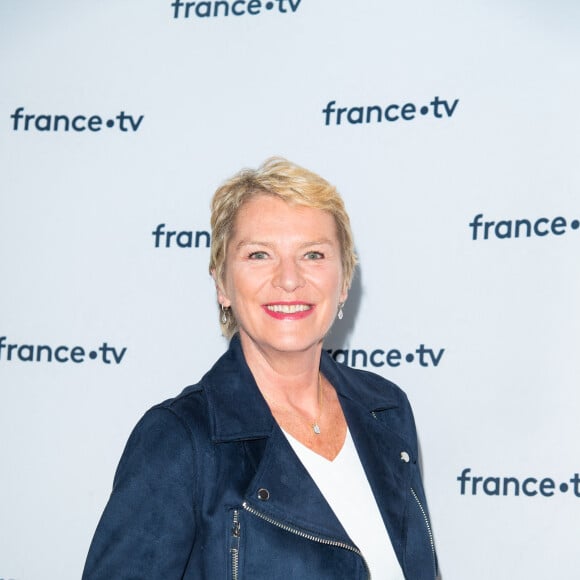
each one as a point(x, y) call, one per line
point(279, 463)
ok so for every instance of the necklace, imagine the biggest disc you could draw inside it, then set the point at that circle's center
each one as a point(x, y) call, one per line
point(316, 425)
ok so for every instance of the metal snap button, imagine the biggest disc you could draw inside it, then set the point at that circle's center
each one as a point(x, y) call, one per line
point(405, 457)
point(263, 494)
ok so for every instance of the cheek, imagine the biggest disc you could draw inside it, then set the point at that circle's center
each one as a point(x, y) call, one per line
point(240, 286)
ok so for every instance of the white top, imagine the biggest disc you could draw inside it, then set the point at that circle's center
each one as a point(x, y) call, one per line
point(345, 487)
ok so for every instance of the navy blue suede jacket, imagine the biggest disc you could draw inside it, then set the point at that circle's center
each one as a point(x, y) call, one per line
point(209, 488)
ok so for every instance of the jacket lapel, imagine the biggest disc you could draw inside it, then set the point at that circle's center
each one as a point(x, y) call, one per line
point(379, 451)
point(283, 491)
point(368, 402)
point(239, 413)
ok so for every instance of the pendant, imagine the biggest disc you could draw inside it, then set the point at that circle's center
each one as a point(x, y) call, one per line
point(316, 429)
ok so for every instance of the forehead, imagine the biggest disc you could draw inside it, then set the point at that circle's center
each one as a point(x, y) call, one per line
point(271, 216)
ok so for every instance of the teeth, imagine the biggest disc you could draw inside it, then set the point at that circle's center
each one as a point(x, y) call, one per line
point(288, 308)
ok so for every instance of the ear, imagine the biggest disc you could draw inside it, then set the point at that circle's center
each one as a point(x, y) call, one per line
point(222, 297)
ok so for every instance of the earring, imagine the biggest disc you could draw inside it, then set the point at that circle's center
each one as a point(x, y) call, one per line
point(224, 317)
point(340, 312)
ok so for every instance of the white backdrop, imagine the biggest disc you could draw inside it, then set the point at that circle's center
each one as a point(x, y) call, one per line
point(478, 115)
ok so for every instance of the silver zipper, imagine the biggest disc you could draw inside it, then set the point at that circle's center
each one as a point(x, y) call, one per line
point(429, 532)
point(308, 536)
point(235, 549)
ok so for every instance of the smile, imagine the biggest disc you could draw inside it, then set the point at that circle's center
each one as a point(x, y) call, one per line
point(288, 310)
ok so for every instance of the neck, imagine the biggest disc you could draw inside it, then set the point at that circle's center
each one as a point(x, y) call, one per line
point(285, 377)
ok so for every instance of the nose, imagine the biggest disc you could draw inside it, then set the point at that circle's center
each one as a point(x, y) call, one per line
point(288, 275)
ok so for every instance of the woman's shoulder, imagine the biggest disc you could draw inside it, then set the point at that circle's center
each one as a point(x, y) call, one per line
point(187, 408)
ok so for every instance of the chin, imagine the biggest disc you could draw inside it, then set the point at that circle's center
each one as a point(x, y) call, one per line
point(288, 342)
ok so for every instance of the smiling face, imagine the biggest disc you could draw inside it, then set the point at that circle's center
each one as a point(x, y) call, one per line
point(283, 275)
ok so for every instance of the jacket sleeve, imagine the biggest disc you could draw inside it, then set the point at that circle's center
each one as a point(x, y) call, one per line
point(148, 527)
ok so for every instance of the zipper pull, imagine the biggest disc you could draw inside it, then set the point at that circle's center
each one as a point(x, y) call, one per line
point(236, 526)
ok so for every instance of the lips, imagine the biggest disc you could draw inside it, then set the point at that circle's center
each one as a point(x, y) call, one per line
point(288, 310)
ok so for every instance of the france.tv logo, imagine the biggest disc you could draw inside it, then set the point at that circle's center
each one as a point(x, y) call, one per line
point(79, 123)
point(507, 229)
point(43, 353)
point(221, 8)
point(528, 486)
point(362, 358)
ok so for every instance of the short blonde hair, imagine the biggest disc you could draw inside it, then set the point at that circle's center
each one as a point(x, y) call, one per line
point(289, 182)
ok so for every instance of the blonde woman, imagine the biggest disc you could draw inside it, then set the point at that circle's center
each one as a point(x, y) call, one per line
point(279, 462)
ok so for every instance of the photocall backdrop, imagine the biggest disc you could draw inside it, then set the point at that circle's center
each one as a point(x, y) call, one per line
point(452, 131)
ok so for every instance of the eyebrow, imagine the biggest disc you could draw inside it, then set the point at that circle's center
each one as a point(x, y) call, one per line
point(321, 242)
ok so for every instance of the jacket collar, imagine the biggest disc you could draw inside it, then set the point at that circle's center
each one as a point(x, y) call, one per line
point(238, 411)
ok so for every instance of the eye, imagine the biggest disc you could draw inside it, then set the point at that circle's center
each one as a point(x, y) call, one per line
point(314, 255)
point(258, 255)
